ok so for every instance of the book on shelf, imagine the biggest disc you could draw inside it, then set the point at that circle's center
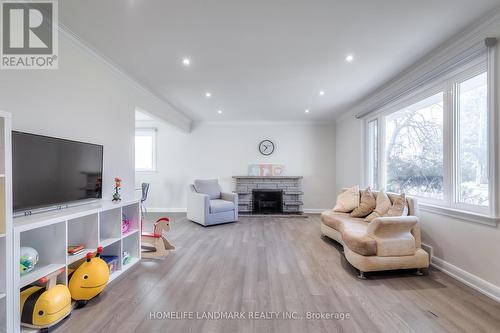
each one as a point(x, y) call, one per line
point(75, 249)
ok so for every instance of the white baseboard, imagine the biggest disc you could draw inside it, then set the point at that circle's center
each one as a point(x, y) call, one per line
point(183, 210)
point(467, 278)
point(315, 210)
point(166, 210)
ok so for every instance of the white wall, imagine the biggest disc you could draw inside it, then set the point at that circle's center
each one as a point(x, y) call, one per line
point(222, 150)
point(466, 249)
point(83, 100)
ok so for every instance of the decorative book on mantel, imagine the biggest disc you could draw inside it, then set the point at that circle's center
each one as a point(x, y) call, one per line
point(266, 170)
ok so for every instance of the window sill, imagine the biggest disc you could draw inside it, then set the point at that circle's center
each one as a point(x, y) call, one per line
point(460, 214)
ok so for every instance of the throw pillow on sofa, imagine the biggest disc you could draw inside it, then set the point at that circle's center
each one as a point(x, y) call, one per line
point(366, 205)
point(348, 200)
point(382, 207)
point(399, 207)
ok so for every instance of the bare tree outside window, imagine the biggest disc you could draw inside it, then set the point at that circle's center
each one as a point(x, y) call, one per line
point(414, 149)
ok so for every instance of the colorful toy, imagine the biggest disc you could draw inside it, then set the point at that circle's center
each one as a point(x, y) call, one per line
point(89, 279)
point(28, 259)
point(126, 257)
point(112, 262)
point(44, 307)
point(125, 225)
point(154, 243)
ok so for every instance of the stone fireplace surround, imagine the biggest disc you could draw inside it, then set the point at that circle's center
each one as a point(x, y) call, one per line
point(290, 185)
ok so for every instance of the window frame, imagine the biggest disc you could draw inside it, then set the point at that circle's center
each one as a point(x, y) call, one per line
point(448, 84)
point(152, 132)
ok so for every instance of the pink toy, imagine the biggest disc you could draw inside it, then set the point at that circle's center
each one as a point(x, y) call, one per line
point(125, 225)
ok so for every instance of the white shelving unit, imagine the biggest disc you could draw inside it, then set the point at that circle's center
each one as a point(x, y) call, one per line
point(91, 225)
point(6, 290)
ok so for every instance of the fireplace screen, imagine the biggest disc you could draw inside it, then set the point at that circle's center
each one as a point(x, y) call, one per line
point(267, 201)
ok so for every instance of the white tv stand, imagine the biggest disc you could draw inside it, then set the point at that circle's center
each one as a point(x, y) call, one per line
point(97, 224)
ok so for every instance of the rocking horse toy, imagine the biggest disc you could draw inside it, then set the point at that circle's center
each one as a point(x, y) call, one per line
point(154, 244)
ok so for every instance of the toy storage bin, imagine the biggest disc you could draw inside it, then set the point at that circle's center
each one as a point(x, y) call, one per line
point(114, 250)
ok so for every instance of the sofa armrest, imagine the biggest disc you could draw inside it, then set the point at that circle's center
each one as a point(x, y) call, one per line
point(233, 197)
point(393, 235)
point(198, 205)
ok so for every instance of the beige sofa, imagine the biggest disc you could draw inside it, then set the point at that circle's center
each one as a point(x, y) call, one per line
point(386, 243)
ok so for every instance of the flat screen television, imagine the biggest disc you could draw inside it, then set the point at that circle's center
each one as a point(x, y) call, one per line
point(50, 172)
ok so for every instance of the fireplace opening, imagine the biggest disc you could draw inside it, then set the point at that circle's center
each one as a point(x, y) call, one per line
point(267, 201)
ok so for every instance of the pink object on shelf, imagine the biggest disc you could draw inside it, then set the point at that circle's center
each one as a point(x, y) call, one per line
point(125, 225)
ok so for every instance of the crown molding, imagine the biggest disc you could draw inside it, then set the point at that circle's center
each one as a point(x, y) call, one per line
point(461, 41)
point(183, 119)
point(264, 122)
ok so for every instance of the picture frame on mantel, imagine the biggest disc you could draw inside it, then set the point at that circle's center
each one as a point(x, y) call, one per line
point(266, 170)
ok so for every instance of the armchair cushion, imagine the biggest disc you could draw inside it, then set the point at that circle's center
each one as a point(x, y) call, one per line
point(219, 206)
point(209, 186)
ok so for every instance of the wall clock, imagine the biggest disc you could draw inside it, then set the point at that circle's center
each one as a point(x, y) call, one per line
point(266, 147)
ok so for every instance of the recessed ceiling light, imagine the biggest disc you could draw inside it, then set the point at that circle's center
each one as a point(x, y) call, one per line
point(208, 94)
point(322, 93)
point(306, 110)
point(219, 111)
point(349, 58)
point(186, 61)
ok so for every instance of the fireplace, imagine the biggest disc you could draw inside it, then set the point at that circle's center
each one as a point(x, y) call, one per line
point(267, 201)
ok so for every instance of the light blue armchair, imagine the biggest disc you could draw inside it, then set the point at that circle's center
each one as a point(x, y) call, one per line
point(208, 205)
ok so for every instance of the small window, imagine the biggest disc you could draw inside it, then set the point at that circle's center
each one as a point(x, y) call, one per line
point(473, 169)
point(373, 154)
point(145, 149)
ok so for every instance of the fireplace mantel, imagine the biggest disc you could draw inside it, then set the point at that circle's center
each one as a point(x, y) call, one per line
point(291, 186)
point(268, 177)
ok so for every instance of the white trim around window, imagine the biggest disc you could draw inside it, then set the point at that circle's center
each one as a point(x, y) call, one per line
point(449, 205)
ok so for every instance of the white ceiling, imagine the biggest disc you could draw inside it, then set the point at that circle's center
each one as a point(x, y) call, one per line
point(265, 59)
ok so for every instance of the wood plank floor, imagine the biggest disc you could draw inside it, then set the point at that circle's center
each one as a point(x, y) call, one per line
point(279, 265)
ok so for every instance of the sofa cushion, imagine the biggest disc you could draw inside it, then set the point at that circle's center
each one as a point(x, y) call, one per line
point(383, 205)
point(334, 220)
point(347, 200)
point(367, 204)
point(208, 186)
point(353, 231)
point(219, 206)
point(399, 207)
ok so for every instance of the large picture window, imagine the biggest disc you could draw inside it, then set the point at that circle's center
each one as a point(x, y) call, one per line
point(435, 146)
point(414, 148)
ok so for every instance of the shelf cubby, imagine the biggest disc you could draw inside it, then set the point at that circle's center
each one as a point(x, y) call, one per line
point(50, 243)
point(110, 226)
point(3, 263)
point(85, 231)
point(2, 206)
point(133, 214)
point(114, 250)
point(3, 313)
point(131, 245)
